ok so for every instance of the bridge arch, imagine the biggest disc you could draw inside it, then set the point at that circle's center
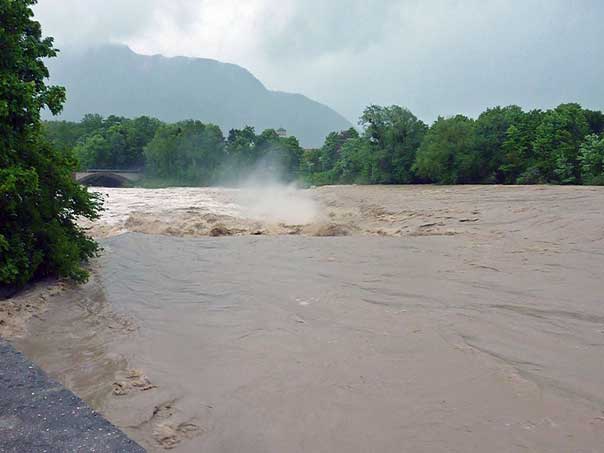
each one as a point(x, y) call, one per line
point(108, 178)
point(104, 180)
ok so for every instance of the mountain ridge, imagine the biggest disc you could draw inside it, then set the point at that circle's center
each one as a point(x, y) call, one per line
point(114, 80)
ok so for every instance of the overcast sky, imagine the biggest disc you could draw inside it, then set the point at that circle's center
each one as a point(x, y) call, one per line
point(432, 56)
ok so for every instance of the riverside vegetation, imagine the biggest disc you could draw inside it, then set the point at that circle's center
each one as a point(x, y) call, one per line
point(504, 145)
point(39, 202)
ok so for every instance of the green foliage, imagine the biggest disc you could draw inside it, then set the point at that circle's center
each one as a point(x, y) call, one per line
point(188, 151)
point(595, 120)
point(591, 156)
point(504, 145)
point(39, 202)
point(356, 163)
point(112, 143)
point(383, 154)
point(329, 153)
point(518, 154)
point(447, 155)
point(264, 156)
point(394, 134)
point(557, 142)
point(191, 152)
point(491, 129)
point(185, 153)
point(530, 176)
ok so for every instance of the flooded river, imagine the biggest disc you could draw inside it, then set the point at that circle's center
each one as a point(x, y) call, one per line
point(463, 319)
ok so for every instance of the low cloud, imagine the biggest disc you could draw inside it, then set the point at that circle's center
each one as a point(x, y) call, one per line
point(433, 56)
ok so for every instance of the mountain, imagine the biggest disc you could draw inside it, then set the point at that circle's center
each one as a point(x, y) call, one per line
point(114, 80)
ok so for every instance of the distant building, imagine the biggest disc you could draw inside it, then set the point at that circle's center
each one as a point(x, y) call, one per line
point(281, 132)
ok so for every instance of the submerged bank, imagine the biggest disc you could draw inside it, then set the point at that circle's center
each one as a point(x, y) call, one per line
point(477, 325)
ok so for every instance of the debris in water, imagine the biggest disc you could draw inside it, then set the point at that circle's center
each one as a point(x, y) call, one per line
point(220, 230)
point(331, 230)
point(134, 379)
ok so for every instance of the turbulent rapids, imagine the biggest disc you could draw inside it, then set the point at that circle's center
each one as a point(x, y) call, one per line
point(447, 319)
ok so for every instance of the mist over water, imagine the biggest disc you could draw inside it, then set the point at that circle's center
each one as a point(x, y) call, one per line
point(270, 208)
point(277, 203)
point(262, 198)
point(266, 193)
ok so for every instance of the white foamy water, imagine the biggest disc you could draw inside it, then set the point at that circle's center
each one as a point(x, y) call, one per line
point(198, 211)
point(277, 204)
point(120, 203)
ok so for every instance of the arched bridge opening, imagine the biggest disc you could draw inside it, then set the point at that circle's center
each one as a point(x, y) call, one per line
point(107, 178)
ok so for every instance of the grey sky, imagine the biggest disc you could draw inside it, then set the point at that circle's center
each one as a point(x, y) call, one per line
point(433, 56)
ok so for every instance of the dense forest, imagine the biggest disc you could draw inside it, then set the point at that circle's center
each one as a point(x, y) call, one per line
point(504, 145)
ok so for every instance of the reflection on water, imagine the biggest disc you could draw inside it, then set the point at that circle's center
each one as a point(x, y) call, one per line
point(341, 344)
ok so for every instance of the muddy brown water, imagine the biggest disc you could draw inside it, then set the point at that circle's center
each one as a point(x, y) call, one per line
point(489, 339)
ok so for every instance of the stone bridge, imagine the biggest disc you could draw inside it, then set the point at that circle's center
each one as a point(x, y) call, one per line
point(108, 178)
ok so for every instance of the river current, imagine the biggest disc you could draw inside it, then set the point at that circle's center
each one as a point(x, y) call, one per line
point(462, 335)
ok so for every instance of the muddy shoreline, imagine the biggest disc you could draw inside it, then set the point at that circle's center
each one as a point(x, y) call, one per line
point(37, 413)
point(16, 311)
point(439, 318)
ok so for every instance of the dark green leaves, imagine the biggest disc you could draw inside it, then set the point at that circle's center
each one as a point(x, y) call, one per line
point(503, 145)
point(39, 202)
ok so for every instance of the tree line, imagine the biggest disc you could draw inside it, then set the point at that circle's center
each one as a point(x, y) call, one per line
point(504, 145)
point(184, 153)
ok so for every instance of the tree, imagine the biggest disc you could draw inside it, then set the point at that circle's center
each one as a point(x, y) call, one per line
point(595, 120)
point(446, 156)
point(39, 201)
point(267, 155)
point(491, 130)
point(355, 165)
point(139, 132)
point(591, 156)
point(518, 165)
point(310, 166)
point(188, 152)
point(109, 143)
point(95, 152)
point(557, 142)
point(62, 134)
point(240, 154)
point(394, 134)
point(330, 151)
point(277, 157)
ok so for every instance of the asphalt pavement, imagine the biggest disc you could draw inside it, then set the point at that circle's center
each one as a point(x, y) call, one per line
point(38, 415)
